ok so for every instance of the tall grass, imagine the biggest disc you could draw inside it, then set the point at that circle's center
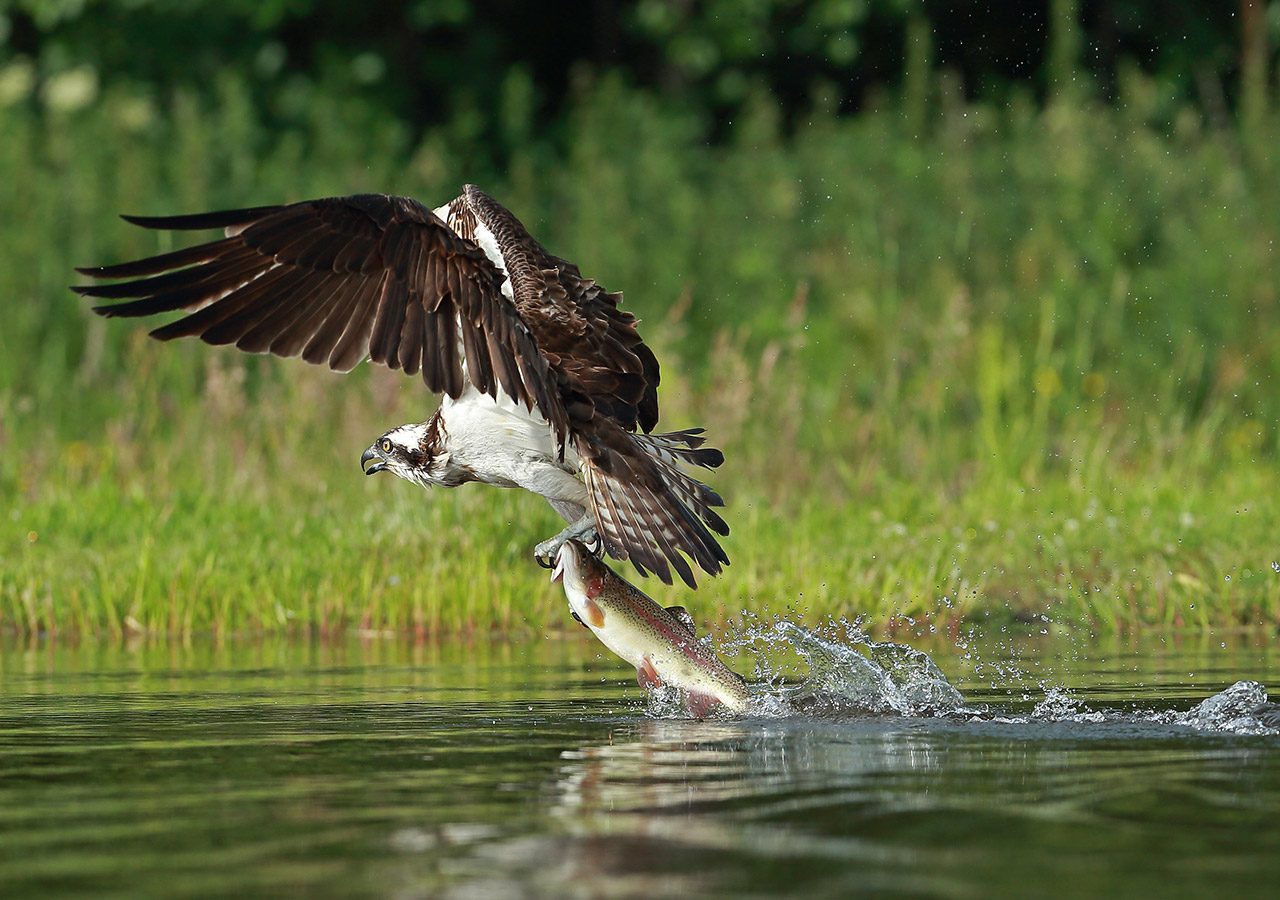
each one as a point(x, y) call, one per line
point(974, 361)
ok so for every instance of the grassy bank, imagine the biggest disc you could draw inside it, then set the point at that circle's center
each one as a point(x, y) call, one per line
point(1019, 363)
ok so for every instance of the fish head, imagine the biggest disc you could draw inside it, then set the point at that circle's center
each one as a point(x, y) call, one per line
point(580, 570)
point(584, 578)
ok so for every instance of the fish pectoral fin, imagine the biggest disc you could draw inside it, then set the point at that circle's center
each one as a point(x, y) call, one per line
point(577, 618)
point(682, 616)
point(647, 675)
point(595, 615)
point(699, 705)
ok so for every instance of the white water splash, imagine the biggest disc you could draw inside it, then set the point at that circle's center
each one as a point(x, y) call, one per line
point(889, 678)
point(1242, 708)
point(1059, 705)
point(857, 676)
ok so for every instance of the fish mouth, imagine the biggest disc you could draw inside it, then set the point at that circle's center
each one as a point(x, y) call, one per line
point(567, 564)
point(369, 454)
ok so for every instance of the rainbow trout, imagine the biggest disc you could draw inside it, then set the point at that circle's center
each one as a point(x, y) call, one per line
point(659, 642)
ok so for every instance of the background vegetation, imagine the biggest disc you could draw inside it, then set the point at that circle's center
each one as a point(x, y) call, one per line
point(983, 310)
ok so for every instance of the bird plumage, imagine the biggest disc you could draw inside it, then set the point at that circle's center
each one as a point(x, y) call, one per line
point(547, 382)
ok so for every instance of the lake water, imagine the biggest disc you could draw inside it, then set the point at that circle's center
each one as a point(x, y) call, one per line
point(509, 769)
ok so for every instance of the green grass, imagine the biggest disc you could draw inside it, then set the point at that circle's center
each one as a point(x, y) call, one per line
point(1021, 365)
point(244, 522)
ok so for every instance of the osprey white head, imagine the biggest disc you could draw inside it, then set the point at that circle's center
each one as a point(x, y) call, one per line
point(412, 452)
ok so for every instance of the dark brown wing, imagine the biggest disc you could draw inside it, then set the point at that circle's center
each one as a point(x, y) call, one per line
point(647, 510)
point(339, 280)
point(578, 325)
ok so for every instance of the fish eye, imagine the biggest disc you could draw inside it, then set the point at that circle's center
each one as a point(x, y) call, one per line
point(386, 445)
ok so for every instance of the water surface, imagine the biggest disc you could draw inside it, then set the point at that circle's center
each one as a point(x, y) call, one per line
point(533, 768)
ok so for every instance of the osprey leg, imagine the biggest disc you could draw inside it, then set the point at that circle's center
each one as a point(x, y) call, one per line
point(583, 530)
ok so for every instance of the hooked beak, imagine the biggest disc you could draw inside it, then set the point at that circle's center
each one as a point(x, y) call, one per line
point(371, 453)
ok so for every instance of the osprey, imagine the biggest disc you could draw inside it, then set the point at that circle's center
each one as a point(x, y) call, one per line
point(547, 384)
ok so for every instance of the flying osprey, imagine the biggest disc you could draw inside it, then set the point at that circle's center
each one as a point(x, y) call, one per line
point(547, 384)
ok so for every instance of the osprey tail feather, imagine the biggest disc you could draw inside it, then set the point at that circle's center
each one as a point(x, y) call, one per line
point(649, 511)
point(682, 446)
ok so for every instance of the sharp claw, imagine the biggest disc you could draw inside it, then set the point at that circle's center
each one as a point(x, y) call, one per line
point(546, 552)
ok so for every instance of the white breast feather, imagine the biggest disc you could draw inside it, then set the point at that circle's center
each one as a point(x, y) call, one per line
point(501, 441)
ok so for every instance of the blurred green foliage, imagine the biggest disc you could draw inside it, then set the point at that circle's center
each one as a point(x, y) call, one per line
point(1079, 237)
point(929, 336)
point(427, 62)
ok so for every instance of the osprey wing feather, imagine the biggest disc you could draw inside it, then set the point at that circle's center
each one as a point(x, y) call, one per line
point(337, 281)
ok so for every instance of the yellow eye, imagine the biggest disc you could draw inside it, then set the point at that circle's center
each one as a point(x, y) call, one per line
point(386, 445)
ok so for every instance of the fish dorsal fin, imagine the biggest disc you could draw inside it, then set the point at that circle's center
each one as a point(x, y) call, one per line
point(681, 615)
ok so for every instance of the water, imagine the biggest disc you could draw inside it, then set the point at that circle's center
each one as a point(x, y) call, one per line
point(515, 769)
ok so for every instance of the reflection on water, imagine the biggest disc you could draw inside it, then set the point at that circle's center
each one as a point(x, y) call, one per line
point(932, 807)
point(498, 769)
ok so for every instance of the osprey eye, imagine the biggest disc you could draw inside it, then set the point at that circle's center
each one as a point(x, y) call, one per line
point(386, 445)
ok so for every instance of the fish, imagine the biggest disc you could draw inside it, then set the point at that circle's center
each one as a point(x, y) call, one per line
point(659, 642)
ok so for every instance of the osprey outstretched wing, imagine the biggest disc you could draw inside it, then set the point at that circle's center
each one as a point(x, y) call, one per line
point(465, 296)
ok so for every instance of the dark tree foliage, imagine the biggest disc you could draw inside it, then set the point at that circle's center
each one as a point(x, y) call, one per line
point(423, 60)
